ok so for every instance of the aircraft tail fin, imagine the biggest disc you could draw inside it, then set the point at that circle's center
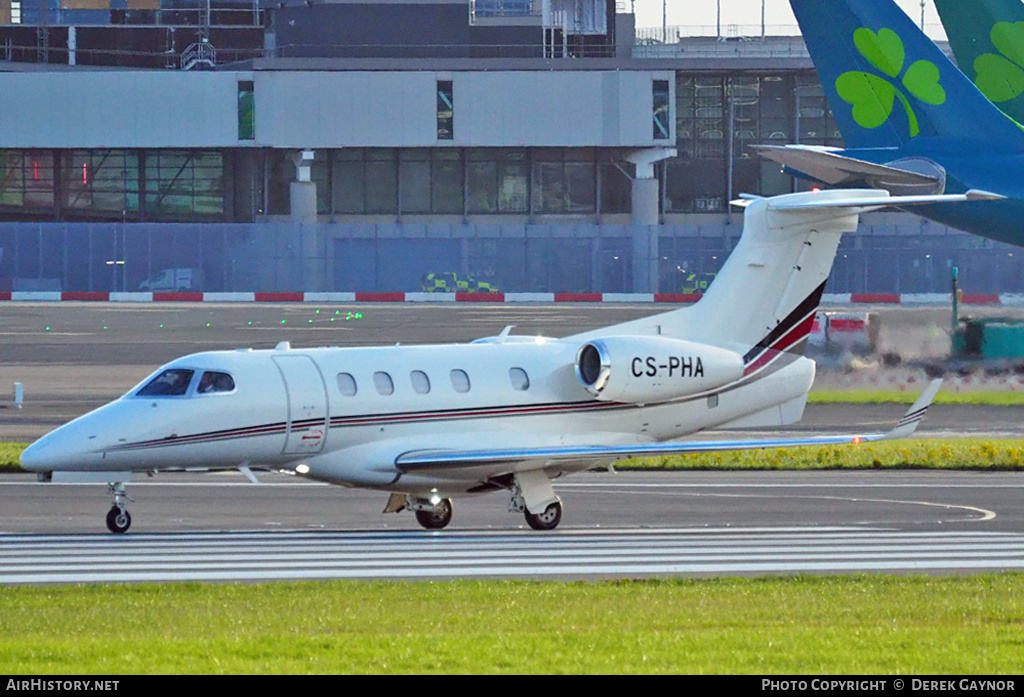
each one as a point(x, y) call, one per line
point(888, 84)
point(987, 38)
point(764, 299)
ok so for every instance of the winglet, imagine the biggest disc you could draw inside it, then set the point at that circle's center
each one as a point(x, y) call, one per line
point(908, 424)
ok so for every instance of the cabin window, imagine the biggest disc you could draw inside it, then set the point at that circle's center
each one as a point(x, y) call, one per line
point(347, 384)
point(212, 382)
point(170, 383)
point(520, 380)
point(420, 382)
point(383, 382)
point(460, 380)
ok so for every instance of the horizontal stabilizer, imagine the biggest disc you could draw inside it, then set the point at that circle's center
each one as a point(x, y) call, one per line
point(828, 166)
point(882, 200)
point(523, 459)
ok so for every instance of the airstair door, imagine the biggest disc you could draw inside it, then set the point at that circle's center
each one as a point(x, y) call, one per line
point(307, 404)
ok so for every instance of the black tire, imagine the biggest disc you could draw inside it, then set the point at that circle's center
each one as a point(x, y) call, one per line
point(548, 520)
point(436, 520)
point(118, 520)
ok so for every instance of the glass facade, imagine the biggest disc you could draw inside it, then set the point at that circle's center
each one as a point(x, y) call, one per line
point(719, 117)
point(105, 184)
point(459, 181)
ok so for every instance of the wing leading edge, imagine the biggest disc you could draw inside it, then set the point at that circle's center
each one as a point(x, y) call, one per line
point(435, 460)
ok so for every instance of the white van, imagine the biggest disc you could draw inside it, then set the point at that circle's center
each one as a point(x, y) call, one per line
point(174, 280)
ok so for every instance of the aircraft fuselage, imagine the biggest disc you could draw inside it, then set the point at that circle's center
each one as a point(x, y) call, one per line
point(344, 415)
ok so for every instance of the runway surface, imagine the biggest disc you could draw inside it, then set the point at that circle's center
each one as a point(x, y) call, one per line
point(474, 554)
point(217, 528)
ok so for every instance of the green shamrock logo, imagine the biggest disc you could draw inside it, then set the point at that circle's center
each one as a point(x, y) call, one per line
point(1001, 78)
point(873, 96)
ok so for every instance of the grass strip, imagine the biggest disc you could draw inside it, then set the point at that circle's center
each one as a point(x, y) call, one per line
point(802, 625)
point(998, 398)
point(930, 453)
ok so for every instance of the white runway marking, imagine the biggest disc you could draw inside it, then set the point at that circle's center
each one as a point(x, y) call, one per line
point(252, 556)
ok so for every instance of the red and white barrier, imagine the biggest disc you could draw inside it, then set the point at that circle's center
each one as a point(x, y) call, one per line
point(831, 299)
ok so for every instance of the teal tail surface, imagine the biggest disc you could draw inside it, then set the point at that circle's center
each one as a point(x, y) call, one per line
point(888, 84)
point(987, 38)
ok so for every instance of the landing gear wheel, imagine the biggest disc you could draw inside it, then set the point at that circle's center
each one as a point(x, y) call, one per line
point(118, 520)
point(548, 520)
point(438, 518)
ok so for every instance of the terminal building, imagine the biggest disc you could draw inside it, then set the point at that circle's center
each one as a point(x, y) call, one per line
point(358, 145)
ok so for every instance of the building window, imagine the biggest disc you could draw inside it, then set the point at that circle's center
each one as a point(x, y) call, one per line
point(246, 110)
point(564, 181)
point(460, 380)
point(100, 182)
point(430, 181)
point(420, 382)
point(445, 112)
point(383, 382)
point(26, 178)
point(181, 182)
point(662, 126)
point(497, 181)
point(365, 180)
point(347, 384)
point(616, 186)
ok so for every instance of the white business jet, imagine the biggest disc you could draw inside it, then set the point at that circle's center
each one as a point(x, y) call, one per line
point(428, 423)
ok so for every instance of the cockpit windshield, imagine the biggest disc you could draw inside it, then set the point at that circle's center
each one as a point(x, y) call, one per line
point(215, 382)
point(170, 383)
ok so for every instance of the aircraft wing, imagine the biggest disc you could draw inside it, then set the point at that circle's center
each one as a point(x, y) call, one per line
point(437, 460)
point(829, 166)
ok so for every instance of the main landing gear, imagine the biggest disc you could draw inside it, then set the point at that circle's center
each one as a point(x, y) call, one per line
point(118, 519)
point(532, 495)
point(548, 520)
point(432, 514)
point(436, 517)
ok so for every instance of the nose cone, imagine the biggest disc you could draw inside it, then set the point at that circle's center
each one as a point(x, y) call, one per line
point(73, 446)
point(35, 458)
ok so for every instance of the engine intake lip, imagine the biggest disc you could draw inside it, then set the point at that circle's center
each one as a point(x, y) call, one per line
point(593, 366)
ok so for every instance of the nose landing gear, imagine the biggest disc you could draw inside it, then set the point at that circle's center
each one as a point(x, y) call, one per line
point(118, 518)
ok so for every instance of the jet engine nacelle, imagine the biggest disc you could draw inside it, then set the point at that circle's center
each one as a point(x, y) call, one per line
point(645, 369)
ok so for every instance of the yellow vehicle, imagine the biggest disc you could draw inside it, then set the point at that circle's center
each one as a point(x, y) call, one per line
point(451, 282)
point(697, 282)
